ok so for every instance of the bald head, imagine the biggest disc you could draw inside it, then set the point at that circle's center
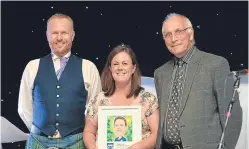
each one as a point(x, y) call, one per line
point(60, 16)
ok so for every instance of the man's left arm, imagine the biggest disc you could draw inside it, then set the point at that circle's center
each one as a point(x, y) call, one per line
point(91, 79)
point(235, 120)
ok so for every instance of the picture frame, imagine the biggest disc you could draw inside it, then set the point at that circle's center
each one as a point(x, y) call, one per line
point(119, 127)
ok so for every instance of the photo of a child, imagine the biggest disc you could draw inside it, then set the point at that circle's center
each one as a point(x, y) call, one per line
point(119, 128)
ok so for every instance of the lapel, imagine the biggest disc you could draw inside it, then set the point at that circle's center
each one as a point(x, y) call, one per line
point(190, 75)
point(165, 89)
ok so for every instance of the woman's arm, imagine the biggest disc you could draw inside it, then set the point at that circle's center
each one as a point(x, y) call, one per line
point(91, 123)
point(89, 134)
point(150, 142)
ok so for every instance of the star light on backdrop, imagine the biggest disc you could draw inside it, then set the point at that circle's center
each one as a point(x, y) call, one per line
point(108, 24)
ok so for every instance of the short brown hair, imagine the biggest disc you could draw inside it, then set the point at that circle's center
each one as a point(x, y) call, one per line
point(107, 81)
point(61, 16)
point(120, 118)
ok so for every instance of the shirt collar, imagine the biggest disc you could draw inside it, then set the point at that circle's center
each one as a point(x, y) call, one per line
point(186, 58)
point(55, 57)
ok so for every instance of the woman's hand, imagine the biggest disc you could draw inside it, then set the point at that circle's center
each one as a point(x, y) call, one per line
point(135, 146)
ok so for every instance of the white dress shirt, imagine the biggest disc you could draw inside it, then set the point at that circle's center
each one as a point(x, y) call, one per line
point(25, 109)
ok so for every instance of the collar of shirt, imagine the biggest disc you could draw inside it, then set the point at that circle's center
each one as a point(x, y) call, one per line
point(55, 57)
point(187, 56)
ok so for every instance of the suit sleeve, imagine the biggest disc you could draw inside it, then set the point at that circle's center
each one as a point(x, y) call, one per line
point(224, 96)
point(156, 82)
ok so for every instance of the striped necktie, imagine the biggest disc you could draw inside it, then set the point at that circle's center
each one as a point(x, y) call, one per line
point(63, 62)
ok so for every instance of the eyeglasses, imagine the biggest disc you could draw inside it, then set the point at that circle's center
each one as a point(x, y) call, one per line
point(177, 33)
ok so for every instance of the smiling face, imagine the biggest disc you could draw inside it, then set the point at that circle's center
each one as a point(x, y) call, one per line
point(122, 68)
point(120, 127)
point(181, 38)
point(60, 35)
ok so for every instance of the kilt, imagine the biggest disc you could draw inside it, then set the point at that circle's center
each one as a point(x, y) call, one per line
point(41, 142)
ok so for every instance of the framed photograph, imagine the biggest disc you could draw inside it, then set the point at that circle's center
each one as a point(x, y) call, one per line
point(119, 126)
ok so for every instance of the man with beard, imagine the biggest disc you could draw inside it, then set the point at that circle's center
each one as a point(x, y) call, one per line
point(55, 90)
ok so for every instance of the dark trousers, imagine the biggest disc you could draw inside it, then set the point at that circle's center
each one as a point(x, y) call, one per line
point(166, 145)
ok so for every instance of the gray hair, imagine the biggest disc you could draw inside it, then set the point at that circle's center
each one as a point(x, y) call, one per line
point(176, 14)
point(170, 15)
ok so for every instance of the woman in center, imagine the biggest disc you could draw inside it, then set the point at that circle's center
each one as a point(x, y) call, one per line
point(121, 85)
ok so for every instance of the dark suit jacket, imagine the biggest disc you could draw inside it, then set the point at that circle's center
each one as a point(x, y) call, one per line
point(203, 105)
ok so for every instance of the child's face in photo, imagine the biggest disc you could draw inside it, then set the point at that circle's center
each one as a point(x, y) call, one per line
point(120, 127)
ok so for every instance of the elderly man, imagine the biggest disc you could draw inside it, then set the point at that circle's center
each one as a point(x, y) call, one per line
point(190, 89)
point(55, 89)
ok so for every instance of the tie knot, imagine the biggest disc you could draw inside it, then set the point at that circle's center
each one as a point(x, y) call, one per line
point(63, 59)
point(179, 62)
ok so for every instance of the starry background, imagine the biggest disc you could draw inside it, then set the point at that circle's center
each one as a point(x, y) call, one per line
point(220, 28)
